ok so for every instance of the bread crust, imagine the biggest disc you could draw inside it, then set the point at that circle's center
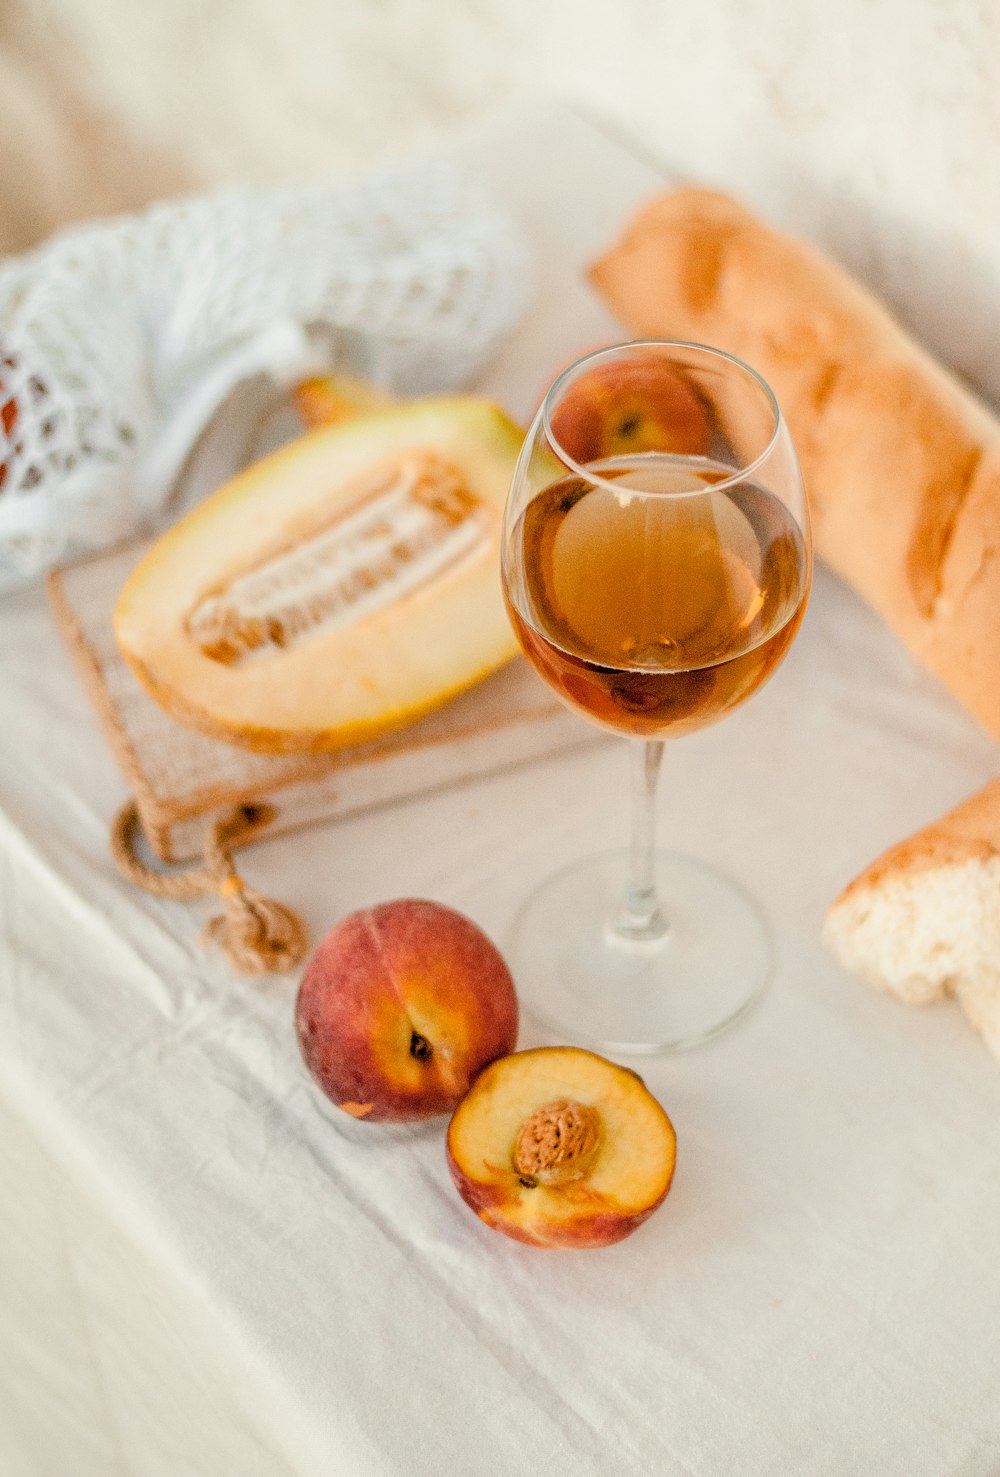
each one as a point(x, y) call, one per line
point(969, 832)
point(901, 462)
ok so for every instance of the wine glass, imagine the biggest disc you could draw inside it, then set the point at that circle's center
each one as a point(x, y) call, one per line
point(656, 566)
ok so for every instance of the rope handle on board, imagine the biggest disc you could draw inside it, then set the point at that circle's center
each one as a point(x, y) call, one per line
point(256, 934)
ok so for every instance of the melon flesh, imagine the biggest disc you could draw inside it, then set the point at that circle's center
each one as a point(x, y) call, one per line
point(342, 586)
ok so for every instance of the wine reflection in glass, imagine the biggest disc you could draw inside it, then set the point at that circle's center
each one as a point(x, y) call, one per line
point(656, 567)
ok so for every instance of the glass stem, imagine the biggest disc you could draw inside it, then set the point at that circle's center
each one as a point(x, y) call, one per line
point(640, 918)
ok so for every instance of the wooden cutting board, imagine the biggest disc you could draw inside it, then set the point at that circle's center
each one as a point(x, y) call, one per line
point(183, 780)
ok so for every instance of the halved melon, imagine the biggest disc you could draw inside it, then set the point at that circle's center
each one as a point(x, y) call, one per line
point(343, 585)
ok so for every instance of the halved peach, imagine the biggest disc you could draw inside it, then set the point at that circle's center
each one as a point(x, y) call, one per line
point(558, 1147)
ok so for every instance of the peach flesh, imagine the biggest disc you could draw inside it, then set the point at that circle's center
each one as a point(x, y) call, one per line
point(635, 405)
point(400, 1007)
point(327, 399)
point(558, 1147)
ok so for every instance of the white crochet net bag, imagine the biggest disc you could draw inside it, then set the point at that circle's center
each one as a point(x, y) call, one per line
point(119, 340)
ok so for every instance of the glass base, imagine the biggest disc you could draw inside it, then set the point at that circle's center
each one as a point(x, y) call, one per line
point(578, 975)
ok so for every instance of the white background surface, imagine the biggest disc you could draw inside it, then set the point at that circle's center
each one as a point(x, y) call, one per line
point(872, 125)
point(214, 1272)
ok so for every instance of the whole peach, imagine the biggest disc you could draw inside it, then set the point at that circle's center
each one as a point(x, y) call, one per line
point(629, 406)
point(400, 1007)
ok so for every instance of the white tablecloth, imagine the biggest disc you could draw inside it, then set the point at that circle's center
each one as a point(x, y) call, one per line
point(206, 1270)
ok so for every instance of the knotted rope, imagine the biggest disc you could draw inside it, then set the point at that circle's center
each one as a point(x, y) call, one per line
point(256, 934)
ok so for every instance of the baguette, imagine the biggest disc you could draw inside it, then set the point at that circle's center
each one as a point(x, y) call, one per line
point(901, 462)
point(923, 921)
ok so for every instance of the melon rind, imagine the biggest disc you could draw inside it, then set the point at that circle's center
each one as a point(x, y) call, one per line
point(351, 684)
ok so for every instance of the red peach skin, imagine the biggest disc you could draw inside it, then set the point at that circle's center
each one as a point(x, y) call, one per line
point(624, 406)
point(400, 1007)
